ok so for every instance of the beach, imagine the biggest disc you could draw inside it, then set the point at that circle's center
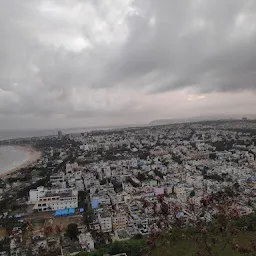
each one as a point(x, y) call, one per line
point(34, 155)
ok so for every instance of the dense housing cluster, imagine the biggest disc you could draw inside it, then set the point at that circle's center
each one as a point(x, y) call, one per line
point(118, 184)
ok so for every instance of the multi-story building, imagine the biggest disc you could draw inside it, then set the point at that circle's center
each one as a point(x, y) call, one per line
point(95, 225)
point(57, 178)
point(103, 199)
point(59, 135)
point(105, 221)
point(119, 221)
point(53, 199)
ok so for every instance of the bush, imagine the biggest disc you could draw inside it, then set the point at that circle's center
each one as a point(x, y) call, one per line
point(72, 231)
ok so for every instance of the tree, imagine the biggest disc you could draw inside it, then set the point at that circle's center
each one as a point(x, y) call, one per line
point(142, 176)
point(249, 203)
point(229, 192)
point(192, 193)
point(236, 186)
point(138, 236)
point(88, 217)
point(42, 172)
point(72, 231)
point(165, 209)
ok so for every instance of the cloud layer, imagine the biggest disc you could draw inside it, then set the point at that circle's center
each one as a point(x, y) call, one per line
point(110, 61)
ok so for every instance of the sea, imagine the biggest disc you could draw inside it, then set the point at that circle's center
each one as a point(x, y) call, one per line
point(12, 134)
point(11, 157)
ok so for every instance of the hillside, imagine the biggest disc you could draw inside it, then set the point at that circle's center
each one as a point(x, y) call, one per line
point(236, 237)
point(199, 119)
point(179, 243)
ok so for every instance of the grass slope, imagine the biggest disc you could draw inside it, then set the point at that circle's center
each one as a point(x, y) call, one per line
point(192, 243)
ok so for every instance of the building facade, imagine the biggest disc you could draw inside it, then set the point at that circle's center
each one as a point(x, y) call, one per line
point(53, 199)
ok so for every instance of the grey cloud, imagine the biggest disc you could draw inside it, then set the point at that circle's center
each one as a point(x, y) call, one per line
point(169, 45)
point(206, 58)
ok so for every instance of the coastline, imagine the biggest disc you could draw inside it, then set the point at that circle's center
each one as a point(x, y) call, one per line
point(34, 155)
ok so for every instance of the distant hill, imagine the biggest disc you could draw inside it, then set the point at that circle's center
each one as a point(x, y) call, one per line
point(199, 119)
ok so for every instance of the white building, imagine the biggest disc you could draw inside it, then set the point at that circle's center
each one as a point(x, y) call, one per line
point(89, 147)
point(53, 199)
point(105, 222)
point(86, 241)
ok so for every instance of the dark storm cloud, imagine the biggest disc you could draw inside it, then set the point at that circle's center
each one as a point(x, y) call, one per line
point(208, 55)
point(55, 58)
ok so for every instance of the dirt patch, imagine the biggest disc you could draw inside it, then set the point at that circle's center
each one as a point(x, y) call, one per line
point(2, 232)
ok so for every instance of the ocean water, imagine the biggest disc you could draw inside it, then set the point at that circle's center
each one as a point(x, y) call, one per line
point(4, 135)
point(11, 157)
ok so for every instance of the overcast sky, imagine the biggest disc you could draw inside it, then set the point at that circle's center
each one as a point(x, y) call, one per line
point(74, 63)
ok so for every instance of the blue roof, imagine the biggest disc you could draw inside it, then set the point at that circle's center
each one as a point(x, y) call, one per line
point(71, 211)
point(95, 203)
point(81, 209)
point(251, 179)
point(57, 213)
point(180, 214)
point(65, 212)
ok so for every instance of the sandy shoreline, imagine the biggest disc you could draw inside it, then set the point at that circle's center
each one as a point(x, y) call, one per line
point(33, 157)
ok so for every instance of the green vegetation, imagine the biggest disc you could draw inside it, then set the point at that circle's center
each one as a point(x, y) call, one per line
point(192, 193)
point(223, 145)
point(88, 217)
point(142, 176)
point(190, 242)
point(72, 231)
point(214, 176)
point(159, 174)
point(82, 199)
point(133, 247)
point(206, 242)
point(224, 238)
